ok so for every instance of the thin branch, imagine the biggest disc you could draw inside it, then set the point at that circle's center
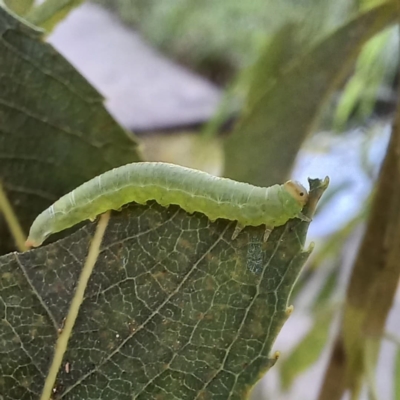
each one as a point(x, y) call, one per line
point(372, 286)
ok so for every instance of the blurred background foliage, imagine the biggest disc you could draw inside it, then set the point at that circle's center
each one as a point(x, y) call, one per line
point(219, 39)
point(257, 51)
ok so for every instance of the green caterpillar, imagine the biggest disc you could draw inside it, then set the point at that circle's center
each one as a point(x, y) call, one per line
point(192, 190)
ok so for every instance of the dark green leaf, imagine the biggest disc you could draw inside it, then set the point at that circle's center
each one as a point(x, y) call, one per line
point(55, 133)
point(173, 310)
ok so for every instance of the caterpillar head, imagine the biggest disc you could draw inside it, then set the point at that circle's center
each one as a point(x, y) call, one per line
point(297, 191)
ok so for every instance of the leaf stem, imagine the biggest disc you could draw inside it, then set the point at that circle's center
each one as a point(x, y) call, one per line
point(12, 220)
point(50, 12)
point(62, 342)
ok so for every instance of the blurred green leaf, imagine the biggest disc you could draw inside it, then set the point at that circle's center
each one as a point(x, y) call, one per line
point(55, 133)
point(328, 255)
point(172, 310)
point(20, 7)
point(265, 143)
point(48, 14)
point(361, 90)
point(333, 245)
point(308, 350)
point(328, 288)
point(220, 38)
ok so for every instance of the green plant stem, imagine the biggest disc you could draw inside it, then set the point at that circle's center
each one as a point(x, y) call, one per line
point(49, 13)
point(12, 220)
point(20, 7)
point(62, 342)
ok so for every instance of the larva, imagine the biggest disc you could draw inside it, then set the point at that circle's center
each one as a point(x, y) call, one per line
point(192, 190)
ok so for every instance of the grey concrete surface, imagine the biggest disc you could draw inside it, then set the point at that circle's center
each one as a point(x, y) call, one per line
point(142, 88)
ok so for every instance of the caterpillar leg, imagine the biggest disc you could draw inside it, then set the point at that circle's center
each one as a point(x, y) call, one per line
point(267, 232)
point(304, 217)
point(238, 229)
